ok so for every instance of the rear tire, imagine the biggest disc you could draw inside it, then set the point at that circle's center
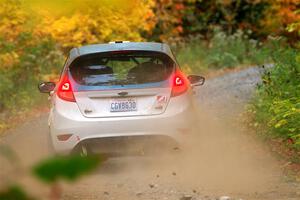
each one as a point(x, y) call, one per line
point(82, 150)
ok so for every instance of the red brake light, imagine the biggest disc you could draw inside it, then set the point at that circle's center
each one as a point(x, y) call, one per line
point(64, 90)
point(180, 84)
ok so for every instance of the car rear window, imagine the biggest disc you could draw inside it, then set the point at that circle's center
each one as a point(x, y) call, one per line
point(121, 68)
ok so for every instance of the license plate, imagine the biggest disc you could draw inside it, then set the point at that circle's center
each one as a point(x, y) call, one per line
point(123, 105)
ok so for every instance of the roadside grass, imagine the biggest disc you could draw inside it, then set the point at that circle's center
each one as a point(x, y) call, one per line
point(25, 62)
point(222, 52)
point(277, 102)
point(275, 109)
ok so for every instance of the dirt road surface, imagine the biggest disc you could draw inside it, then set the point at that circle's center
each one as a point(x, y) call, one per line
point(223, 159)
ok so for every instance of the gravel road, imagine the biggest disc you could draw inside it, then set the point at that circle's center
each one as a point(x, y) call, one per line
point(223, 160)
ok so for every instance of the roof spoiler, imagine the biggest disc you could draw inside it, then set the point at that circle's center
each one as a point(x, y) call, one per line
point(117, 42)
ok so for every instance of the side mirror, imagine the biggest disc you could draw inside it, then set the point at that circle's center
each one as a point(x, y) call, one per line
point(196, 80)
point(46, 87)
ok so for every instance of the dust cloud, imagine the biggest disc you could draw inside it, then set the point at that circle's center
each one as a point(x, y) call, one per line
point(223, 155)
point(220, 157)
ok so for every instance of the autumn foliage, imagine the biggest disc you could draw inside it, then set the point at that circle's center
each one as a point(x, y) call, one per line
point(94, 22)
point(85, 22)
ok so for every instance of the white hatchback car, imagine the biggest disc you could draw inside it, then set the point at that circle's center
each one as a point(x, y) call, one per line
point(120, 94)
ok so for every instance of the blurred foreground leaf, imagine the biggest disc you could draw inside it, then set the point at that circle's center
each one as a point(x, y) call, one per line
point(65, 167)
point(14, 193)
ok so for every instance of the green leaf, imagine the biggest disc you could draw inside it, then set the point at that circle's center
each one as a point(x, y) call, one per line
point(14, 193)
point(65, 167)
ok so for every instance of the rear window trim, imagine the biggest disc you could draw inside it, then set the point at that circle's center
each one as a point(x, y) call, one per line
point(79, 87)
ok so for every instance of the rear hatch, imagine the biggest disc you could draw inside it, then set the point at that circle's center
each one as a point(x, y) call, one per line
point(122, 83)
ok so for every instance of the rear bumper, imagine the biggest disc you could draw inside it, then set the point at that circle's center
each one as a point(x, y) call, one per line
point(130, 145)
point(174, 124)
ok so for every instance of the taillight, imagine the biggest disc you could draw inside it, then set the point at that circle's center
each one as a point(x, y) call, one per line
point(180, 84)
point(64, 137)
point(64, 90)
